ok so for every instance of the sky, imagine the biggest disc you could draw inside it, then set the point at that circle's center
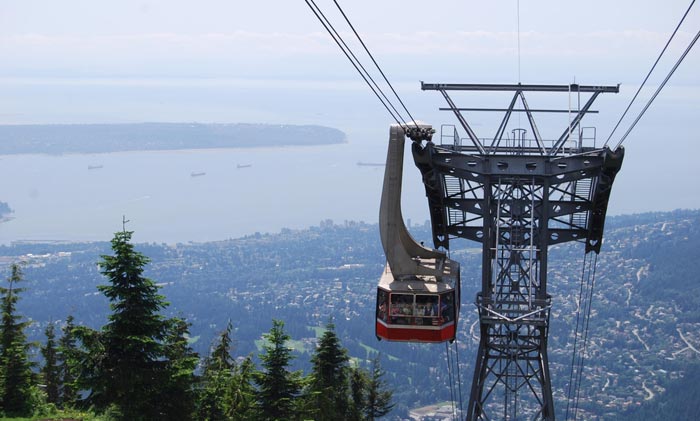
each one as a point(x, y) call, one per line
point(270, 61)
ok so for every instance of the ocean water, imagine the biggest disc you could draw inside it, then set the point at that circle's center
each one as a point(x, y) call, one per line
point(196, 195)
point(59, 198)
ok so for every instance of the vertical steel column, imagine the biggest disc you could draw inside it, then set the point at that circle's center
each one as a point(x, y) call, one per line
point(513, 307)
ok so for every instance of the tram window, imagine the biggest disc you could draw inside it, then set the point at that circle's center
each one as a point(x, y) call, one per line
point(426, 309)
point(401, 308)
point(382, 304)
point(426, 305)
point(447, 307)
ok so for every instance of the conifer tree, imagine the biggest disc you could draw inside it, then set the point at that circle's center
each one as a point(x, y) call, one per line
point(241, 397)
point(378, 395)
point(51, 371)
point(216, 380)
point(126, 365)
point(68, 364)
point(220, 358)
point(16, 387)
point(178, 395)
point(278, 387)
point(133, 336)
point(329, 377)
point(358, 392)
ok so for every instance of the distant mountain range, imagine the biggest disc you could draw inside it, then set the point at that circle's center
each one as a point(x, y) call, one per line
point(644, 329)
point(104, 138)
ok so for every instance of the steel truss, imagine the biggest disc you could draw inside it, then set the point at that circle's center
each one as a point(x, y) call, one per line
point(516, 196)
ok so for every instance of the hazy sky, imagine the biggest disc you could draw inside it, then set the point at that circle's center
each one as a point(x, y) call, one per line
point(281, 39)
point(271, 61)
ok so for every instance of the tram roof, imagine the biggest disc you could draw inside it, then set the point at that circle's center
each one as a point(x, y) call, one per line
point(421, 283)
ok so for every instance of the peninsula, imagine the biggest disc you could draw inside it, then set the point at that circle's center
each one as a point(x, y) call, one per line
point(104, 138)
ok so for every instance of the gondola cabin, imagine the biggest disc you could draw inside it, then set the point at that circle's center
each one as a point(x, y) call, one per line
point(420, 309)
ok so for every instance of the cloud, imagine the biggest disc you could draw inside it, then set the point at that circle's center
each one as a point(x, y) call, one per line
point(248, 50)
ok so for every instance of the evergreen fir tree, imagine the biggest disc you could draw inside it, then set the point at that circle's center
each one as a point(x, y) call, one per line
point(278, 387)
point(216, 380)
point(133, 361)
point(16, 387)
point(178, 393)
point(329, 377)
point(51, 371)
point(68, 364)
point(358, 392)
point(241, 398)
point(378, 395)
point(125, 366)
point(220, 358)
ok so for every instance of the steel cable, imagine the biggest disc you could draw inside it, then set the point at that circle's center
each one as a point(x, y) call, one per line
point(582, 357)
point(653, 97)
point(571, 391)
point(375, 62)
point(348, 53)
point(647, 78)
point(649, 74)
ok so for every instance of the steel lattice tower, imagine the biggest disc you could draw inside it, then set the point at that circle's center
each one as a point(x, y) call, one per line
point(516, 196)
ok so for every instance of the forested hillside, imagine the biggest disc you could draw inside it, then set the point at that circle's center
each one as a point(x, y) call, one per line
point(644, 327)
point(103, 138)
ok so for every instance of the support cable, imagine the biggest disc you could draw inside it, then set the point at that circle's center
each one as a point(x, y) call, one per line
point(459, 379)
point(582, 358)
point(570, 393)
point(450, 376)
point(375, 61)
point(348, 53)
point(653, 97)
point(518, 6)
point(648, 74)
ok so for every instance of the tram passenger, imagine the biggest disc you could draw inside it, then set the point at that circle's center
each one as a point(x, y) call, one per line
point(446, 308)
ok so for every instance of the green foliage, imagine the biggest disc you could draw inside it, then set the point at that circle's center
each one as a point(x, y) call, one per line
point(220, 358)
point(68, 364)
point(17, 389)
point(51, 413)
point(681, 401)
point(278, 387)
point(177, 393)
point(139, 359)
point(217, 379)
point(329, 377)
point(51, 371)
point(358, 387)
point(379, 396)
point(241, 394)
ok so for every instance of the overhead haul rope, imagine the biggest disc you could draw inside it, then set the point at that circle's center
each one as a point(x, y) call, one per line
point(451, 367)
point(459, 378)
point(653, 97)
point(518, 11)
point(357, 64)
point(375, 61)
point(583, 314)
point(456, 351)
point(579, 304)
point(649, 74)
point(582, 357)
point(647, 78)
point(449, 376)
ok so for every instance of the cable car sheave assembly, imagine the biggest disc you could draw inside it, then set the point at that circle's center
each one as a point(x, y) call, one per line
point(516, 196)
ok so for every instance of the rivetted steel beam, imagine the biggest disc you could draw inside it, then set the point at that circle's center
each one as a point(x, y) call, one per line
point(517, 87)
point(518, 110)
